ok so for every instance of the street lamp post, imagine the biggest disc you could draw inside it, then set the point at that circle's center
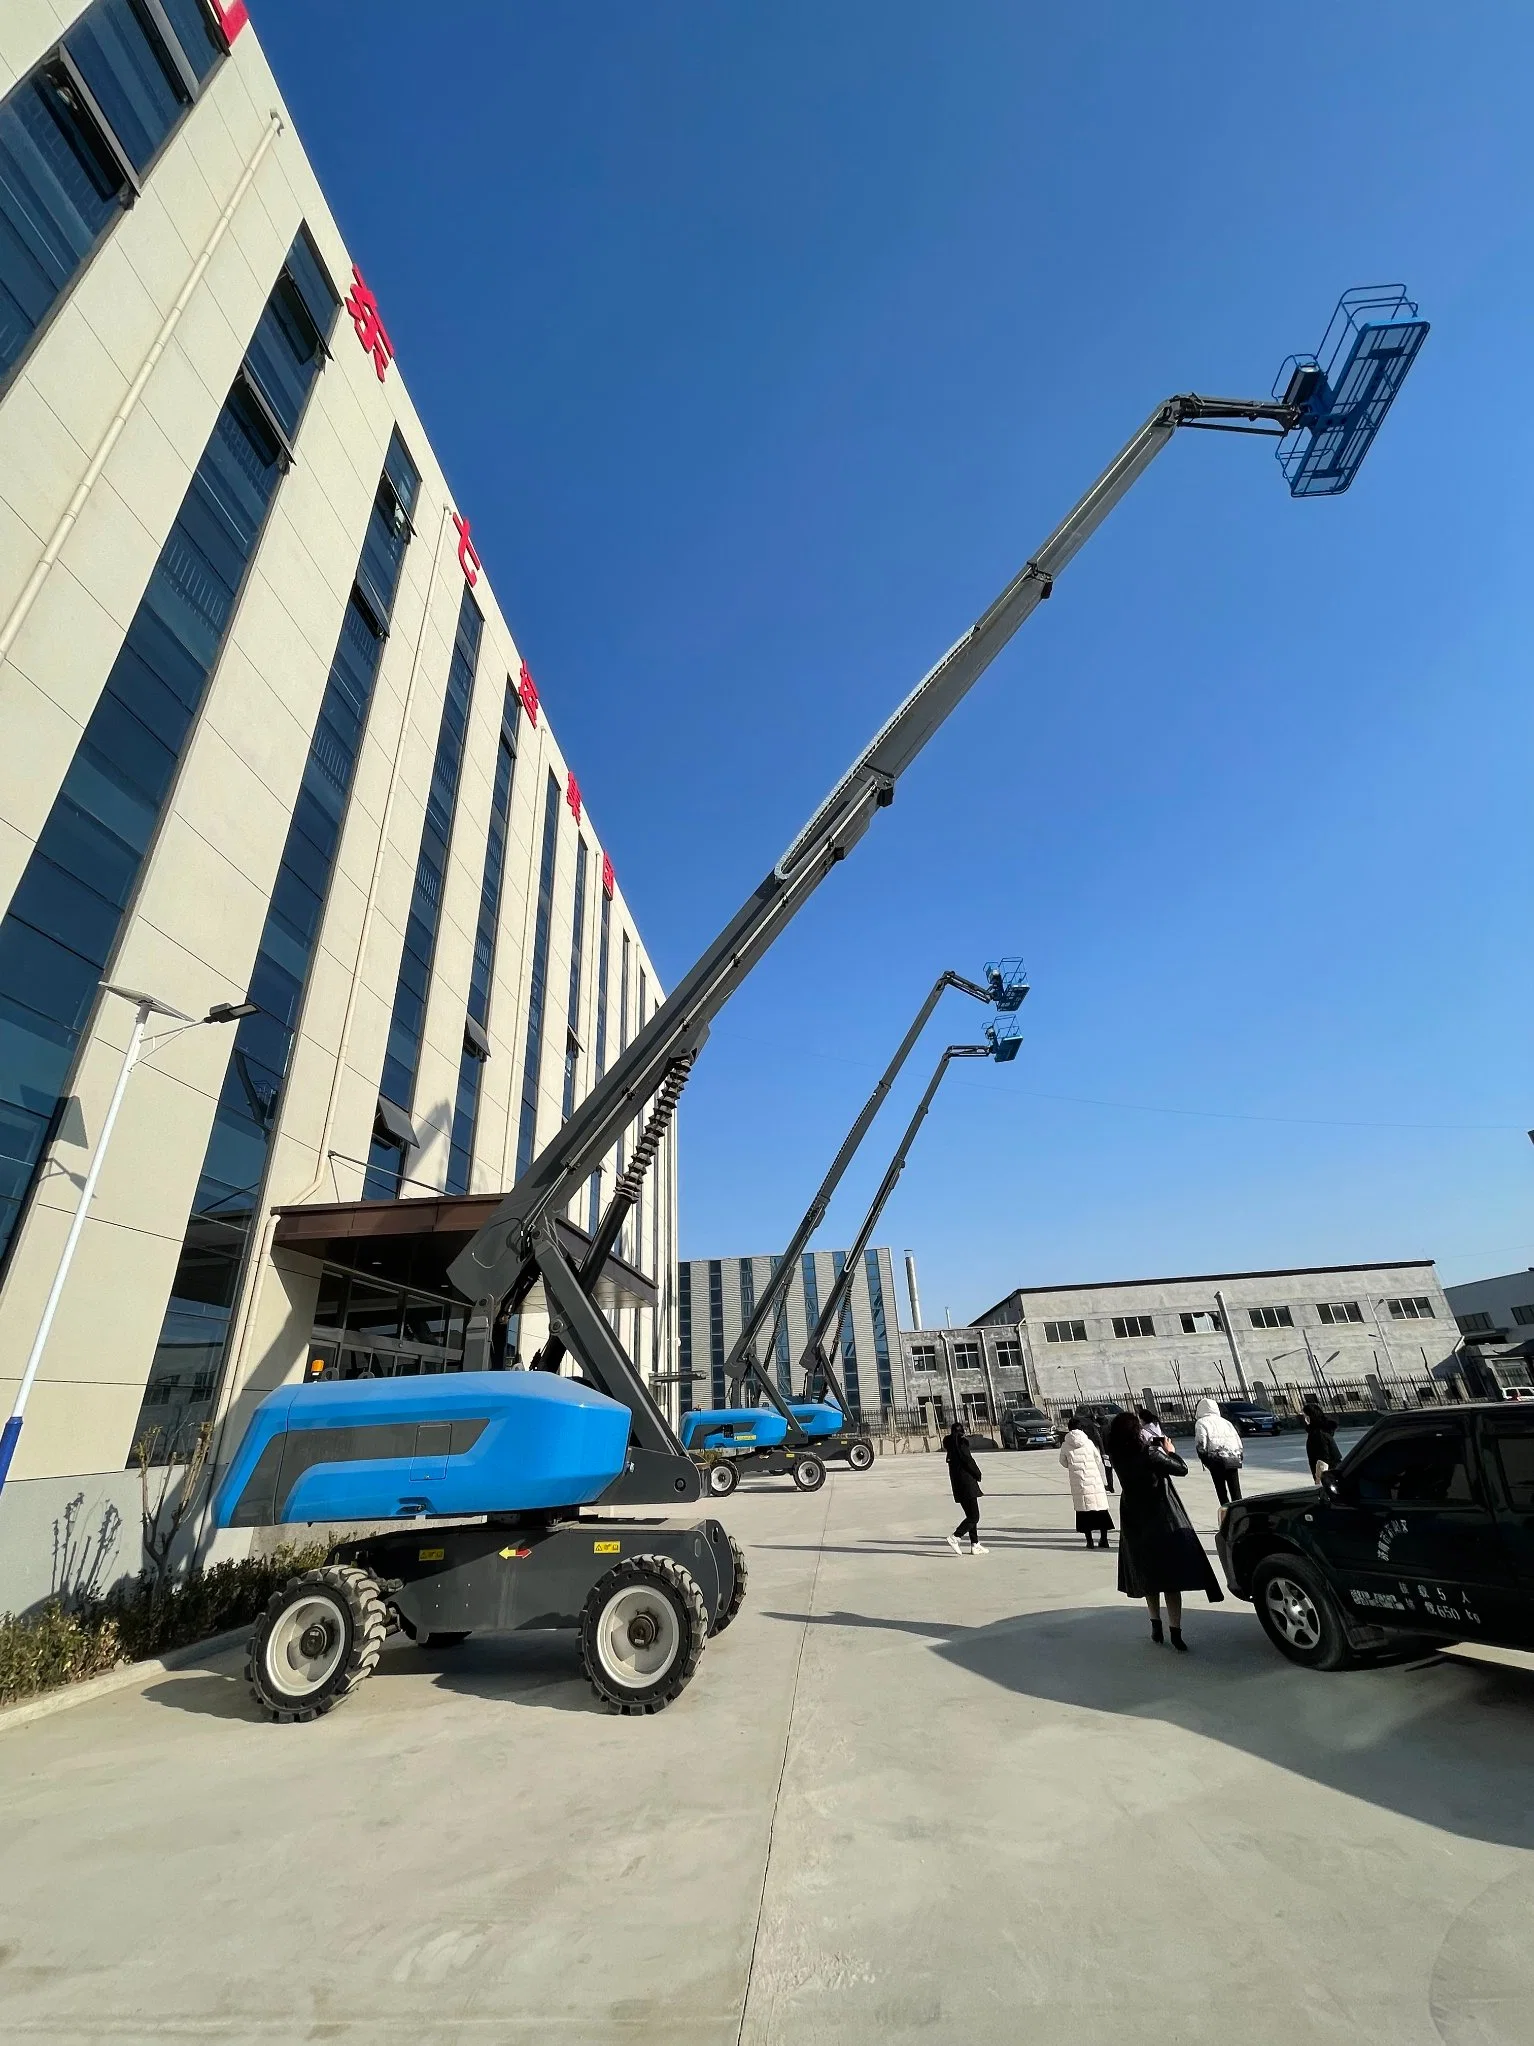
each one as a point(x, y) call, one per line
point(145, 1007)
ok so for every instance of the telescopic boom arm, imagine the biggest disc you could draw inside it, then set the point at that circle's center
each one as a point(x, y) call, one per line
point(817, 1351)
point(743, 1361)
point(518, 1245)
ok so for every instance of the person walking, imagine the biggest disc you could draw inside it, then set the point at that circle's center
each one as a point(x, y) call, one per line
point(1159, 1552)
point(1088, 1426)
point(1083, 1462)
point(1217, 1445)
point(964, 1477)
point(1321, 1451)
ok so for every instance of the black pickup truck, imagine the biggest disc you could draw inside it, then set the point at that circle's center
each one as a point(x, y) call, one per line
point(1425, 1529)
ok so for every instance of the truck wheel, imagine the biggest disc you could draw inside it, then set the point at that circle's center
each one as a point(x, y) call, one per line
point(643, 1628)
point(319, 1637)
point(737, 1597)
point(809, 1473)
point(860, 1455)
point(1298, 1613)
point(722, 1479)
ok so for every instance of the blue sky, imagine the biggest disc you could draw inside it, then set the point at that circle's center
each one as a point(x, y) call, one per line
point(763, 343)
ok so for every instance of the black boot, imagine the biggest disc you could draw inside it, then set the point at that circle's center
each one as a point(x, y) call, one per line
point(1177, 1641)
point(1103, 1543)
point(1089, 1540)
point(1156, 1634)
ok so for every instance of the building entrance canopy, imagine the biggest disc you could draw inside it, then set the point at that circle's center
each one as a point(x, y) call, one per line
point(411, 1243)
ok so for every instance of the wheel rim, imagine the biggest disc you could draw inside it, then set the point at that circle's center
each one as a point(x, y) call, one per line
point(721, 1479)
point(638, 1636)
point(1293, 1612)
point(860, 1456)
point(305, 1647)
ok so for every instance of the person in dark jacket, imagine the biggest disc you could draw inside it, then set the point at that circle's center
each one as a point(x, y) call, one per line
point(1321, 1449)
point(1159, 1551)
point(1094, 1435)
point(964, 1477)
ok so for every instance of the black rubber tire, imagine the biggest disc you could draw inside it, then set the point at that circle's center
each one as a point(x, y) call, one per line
point(721, 1479)
point(663, 1579)
point(357, 1612)
point(453, 1639)
point(809, 1473)
point(1299, 1614)
point(860, 1455)
point(737, 1597)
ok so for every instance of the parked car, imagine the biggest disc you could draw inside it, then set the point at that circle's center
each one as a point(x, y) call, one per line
point(1248, 1418)
point(1425, 1529)
point(1028, 1428)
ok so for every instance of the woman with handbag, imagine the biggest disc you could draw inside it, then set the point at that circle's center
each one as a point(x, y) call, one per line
point(1159, 1552)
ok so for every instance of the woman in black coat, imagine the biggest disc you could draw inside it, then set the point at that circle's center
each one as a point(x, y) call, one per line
point(964, 1477)
point(1159, 1551)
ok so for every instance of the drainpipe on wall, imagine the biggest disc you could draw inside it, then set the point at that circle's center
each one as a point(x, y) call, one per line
point(1230, 1337)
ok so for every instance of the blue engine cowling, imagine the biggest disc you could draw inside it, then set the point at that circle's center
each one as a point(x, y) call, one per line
point(733, 1428)
point(818, 1418)
point(391, 1448)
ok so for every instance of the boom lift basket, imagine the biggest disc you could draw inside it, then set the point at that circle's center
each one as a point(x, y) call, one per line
point(1007, 980)
point(1346, 387)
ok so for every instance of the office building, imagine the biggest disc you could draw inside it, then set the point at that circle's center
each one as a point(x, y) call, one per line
point(264, 730)
point(716, 1297)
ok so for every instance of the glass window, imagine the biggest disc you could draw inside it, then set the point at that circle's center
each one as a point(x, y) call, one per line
point(1415, 1308)
point(538, 984)
point(1524, 1316)
point(923, 1357)
point(1474, 1324)
point(1271, 1317)
point(194, 31)
point(1133, 1325)
point(59, 192)
point(966, 1356)
point(1202, 1322)
point(1515, 1453)
point(1426, 1468)
point(1065, 1331)
point(1338, 1311)
point(130, 74)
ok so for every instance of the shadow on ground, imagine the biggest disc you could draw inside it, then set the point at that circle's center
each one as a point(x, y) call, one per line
point(537, 1669)
point(1443, 1741)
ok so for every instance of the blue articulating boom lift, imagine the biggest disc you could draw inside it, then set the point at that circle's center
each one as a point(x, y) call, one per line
point(524, 1452)
point(782, 1436)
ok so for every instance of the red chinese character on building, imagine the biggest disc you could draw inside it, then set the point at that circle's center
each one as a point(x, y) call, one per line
point(363, 307)
point(573, 795)
point(232, 17)
point(468, 559)
point(527, 689)
point(607, 875)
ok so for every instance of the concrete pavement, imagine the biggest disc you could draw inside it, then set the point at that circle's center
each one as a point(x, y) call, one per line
point(908, 1796)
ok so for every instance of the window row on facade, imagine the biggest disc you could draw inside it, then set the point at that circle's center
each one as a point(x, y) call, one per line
point(1209, 1321)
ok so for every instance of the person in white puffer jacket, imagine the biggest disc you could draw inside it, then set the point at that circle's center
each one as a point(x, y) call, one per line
point(1083, 1462)
point(1217, 1445)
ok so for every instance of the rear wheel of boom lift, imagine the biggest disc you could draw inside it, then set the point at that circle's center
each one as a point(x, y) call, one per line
point(643, 1629)
point(722, 1479)
point(809, 1473)
point(737, 1597)
point(318, 1639)
point(860, 1455)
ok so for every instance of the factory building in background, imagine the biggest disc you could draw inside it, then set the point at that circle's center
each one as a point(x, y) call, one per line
point(264, 731)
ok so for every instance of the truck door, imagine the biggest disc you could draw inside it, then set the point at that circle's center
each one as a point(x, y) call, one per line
point(1412, 1539)
point(1508, 1441)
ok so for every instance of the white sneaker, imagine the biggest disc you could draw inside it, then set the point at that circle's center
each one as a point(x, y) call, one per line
point(953, 1543)
point(976, 1550)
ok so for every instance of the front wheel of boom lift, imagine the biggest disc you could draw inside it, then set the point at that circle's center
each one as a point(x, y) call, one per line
point(722, 1479)
point(860, 1455)
point(643, 1628)
point(318, 1639)
point(737, 1597)
point(809, 1473)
